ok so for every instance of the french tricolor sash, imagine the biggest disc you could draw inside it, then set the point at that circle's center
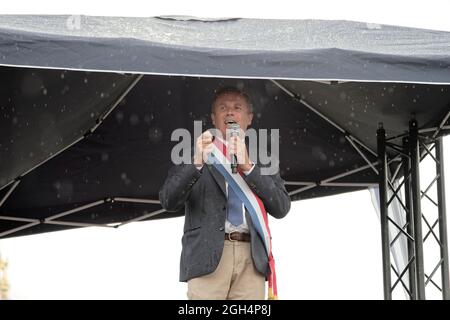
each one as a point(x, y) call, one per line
point(220, 159)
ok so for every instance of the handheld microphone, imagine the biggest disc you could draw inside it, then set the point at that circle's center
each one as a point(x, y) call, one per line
point(234, 132)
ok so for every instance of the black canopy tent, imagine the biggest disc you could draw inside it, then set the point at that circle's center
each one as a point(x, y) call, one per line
point(89, 104)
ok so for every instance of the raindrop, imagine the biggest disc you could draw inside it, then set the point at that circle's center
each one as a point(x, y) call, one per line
point(104, 157)
point(85, 80)
point(102, 95)
point(15, 120)
point(125, 179)
point(64, 189)
point(155, 134)
point(134, 119)
point(148, 118)
point(44, 91)
point(318, 153)
point(119, 116)
point(31, 84)
point(94, 216)
point(331, 163)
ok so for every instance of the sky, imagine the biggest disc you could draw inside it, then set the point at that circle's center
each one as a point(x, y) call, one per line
point(326, 248)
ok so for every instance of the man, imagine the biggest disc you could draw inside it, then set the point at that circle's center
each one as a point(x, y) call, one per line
point(223, 256)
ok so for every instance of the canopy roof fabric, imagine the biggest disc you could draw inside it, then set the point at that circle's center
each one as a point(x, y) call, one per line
point(248, 48)
point(89, 142)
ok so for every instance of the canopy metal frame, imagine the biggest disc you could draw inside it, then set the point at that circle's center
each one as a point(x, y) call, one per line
point(415, 148)
point(378, 161)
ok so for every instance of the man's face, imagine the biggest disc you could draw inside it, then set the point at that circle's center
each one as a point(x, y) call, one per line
point(228, 108)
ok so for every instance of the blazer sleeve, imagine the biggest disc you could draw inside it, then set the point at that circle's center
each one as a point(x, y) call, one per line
point(177, 187)
point(271, 190)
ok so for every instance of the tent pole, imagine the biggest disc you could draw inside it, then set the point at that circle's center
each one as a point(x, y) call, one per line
point(116, 103)
point(417, 213)
point(51, 219)
point(145, 216)
point(442, 219)
point(441, 125)
point(341, 175)
point(16, 183)
point(409, 218)
point(32, 224)
point(361, 154)
point(135, 200)
point(382, 160)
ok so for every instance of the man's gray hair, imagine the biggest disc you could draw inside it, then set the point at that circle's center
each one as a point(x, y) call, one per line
point(226, 90)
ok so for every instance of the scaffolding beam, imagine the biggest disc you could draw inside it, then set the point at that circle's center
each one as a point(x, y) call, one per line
point(383, 187)
point(416, 208)
point(442, 219)
point(409, 218)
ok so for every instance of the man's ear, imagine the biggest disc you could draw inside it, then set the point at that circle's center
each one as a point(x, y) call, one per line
point(250, 118)
point(213, 119)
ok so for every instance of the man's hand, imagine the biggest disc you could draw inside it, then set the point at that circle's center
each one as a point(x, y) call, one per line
point(237, 146)
point(203, 148)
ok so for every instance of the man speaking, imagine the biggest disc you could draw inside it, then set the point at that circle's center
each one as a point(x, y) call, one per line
point(227, 251)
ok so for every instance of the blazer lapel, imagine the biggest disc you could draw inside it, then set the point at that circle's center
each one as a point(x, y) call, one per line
point(218, 177)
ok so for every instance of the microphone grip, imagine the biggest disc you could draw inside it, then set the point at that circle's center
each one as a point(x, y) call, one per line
point(234, 133)
point(233, 164)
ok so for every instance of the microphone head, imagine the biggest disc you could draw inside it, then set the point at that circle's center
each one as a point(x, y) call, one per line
point(233, 126)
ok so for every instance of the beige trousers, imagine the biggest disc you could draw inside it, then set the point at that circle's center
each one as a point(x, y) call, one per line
point(235, 278)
